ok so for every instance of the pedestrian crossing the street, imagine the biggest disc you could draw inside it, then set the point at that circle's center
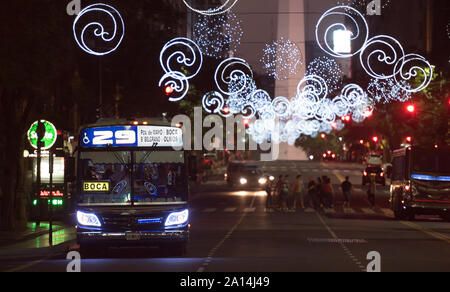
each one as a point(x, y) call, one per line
point(379, 212)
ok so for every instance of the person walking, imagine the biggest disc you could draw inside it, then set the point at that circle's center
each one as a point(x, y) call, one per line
point(346, 187)
point(277, 191)
point(311, 198)
point(328, 193)
point(284, 193)
point(371, 192)
point(297, 193)
point(319, 193)
point(269, 187)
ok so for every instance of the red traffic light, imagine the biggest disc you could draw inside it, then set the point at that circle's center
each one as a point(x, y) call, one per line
point(323, 136)
point(168, 90)
point(411, 108)
point(409, 139)
point(375, 139)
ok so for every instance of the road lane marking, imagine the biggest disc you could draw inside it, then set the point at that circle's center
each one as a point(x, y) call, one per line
point(387, 212)
point(213, 251)
point(349, 211)
point(230, 210)
point(23, 267)
point(368, 211)
point(249, 210)
point(344, 247)
point(425, 230)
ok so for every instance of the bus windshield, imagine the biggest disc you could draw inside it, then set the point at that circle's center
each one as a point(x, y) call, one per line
point(434, 162)
point(132, 177)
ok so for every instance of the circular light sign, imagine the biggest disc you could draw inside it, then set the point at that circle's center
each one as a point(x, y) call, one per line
point(50, 135)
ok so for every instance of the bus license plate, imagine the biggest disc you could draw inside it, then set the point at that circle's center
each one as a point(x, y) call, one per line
point(132, 236)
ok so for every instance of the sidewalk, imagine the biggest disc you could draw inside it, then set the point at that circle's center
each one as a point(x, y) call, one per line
point(34, 242)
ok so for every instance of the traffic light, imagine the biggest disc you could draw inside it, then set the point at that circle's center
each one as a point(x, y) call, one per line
point(246, 123)
point(409, 139)
point(375, 139)
point(323, 136)
point(168, 90)
point(346, 118)
point(410, 108)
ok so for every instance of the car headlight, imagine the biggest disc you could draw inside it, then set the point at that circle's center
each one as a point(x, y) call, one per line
point(272, 178)
point(243, 181)
point(177, 218)
point(88, 219)
point(262, 181)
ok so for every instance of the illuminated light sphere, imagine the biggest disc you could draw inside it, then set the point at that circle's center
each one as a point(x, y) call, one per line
point(216, 10)
point(329, 70)
point(99, 29)
point(386, 91)
point(282, 59)
point(218, 36)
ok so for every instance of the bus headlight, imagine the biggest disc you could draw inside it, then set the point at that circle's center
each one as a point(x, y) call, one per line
point(177, 218)
point(243, 181)
point(87, 219)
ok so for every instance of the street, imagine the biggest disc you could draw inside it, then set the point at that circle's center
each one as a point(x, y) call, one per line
point(231, 231)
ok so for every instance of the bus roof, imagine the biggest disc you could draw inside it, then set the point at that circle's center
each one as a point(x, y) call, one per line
point(106, 122)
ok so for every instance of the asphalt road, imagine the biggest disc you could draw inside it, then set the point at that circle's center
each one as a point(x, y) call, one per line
point(233, 232)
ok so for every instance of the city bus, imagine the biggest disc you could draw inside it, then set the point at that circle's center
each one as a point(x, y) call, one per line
point(421, 182)
point(132, 187)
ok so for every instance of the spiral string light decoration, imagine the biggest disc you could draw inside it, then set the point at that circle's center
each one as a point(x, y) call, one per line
point(282, 59)
point(96, 36)
point(218, 35)
point(331, 21)
point(220, 9)
point(178, 56)
point(383, 50)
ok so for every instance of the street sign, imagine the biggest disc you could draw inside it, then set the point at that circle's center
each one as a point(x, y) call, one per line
point(49, 138)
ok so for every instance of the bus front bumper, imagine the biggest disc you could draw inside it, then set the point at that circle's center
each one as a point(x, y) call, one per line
point(132, 238)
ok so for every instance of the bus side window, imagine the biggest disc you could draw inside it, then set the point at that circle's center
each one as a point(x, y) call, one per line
point(398, 168)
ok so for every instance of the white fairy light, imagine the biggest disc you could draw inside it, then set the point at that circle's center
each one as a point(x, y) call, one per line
point(361, 5)
point(328, 69)
point(218, 35)
point(388, 90)
point(282, 59)
point(86, 25)
point(223, 8)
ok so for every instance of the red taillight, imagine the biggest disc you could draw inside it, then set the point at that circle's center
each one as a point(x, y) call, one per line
point(365, 173)
point(381, 174)
point(407, 188)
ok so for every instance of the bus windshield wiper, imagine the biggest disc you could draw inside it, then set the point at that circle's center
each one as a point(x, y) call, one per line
point(117, 156)
point(148, 153)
